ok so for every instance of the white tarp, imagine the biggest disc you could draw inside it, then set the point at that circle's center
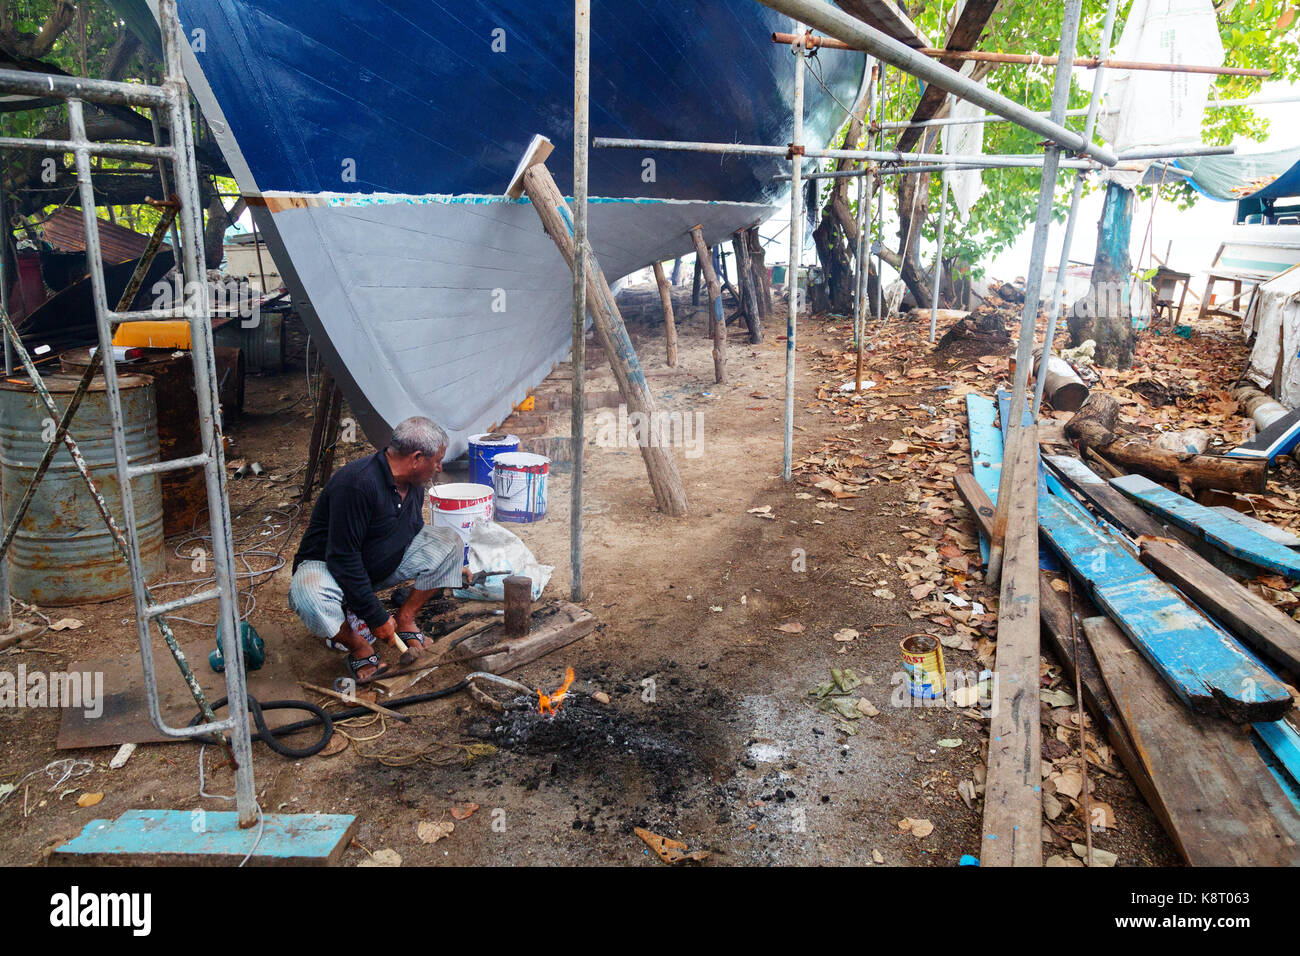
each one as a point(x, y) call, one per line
point(1145, 108)
point(1274, 317)
point(966, 187)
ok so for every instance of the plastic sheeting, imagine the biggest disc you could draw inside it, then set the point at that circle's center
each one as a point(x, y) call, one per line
point(1271, 175)
point(1160, 109)
point(966, 187)
point(1274, 318)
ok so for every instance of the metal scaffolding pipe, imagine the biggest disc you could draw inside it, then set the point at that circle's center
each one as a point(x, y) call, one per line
point(853, 31)
point(1159, 152)
point(1033, 287)
point(44, 85)
point(121, 150)
point(581, 129)
point(938, 259)
point(796, 255)
point(1038, 59)
point(1058, 290)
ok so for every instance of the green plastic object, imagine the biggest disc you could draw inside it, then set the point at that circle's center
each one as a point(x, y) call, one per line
point(254, 650)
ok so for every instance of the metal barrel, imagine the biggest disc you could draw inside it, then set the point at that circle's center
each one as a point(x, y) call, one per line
point(63, 554)
point(262, 342)
point(184, 494)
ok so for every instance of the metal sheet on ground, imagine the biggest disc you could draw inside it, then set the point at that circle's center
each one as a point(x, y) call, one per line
point(125, 717)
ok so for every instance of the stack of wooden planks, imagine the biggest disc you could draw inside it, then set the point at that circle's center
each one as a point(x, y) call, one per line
point(1184, 669)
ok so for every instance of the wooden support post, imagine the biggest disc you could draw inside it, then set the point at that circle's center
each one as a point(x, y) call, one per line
point(666, 300)
point(745, 278)
point(323, 399)
point(718, 321)
point(758, 261)
point(331, 439)
point(518, 604)
point(695, 283)
point(1013, 803)
point(548, 201)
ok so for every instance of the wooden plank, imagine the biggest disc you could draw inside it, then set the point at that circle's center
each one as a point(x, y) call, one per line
point(552, 629)
point(1224, 809)
point(1233, 538)
point(1238, 609)
point(1013, 800)
point(1279, 438)
point(965, 34)
point(985, 452)
point(887, 17)
point(1208, 670)
point(1272, 532)
point(1284, 743)
point(1054, 616)
point(170, 838)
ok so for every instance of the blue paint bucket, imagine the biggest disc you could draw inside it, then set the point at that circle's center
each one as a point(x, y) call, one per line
point(519, 481)
point(482, 449)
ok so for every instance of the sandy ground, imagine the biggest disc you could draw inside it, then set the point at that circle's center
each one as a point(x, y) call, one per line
point(709, 737)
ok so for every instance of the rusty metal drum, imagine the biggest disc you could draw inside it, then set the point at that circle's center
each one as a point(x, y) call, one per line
point(63, 553)
point(184, 493)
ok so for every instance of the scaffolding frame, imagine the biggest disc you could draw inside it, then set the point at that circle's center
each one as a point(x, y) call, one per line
point(171, 98)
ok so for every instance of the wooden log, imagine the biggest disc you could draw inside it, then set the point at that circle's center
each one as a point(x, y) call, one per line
point(718, 322)
point(1054, 618)
point(745, 278)
point(1013, 804)
point(758, 261)
point(1094, 424)
point(1225, 809)
point(1243, 612)
point(695, 283)
point(670, 324)
point(548, 201)
point(1094, 427)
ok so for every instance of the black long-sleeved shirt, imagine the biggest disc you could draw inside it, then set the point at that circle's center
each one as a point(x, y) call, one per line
point(360, 527)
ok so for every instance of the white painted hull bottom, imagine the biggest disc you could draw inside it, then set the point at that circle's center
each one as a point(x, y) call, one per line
point(456, 307)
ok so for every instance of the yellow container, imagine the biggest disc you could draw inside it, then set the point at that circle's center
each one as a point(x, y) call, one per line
point(923, 662)
point(172, 334)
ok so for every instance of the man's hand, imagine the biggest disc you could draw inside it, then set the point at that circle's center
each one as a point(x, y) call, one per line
point(386, 631)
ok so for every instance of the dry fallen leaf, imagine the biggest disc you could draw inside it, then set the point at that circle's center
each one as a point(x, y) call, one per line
point(846, 634)
point(89, 799)
point(669, 850)
point(384, 857)
point(66, 624)
point(465, 812)
point(867, 707)
point(920, 828)
point(792, 627)
point(433, 832)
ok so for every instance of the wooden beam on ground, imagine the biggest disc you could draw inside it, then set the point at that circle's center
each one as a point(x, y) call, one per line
point(1224, 807)
point(1054, 616)
point(1013, 800)
point(965, 34)
point(552, 628)
point(547, 200)
point(1208, 670)
point(1243, 612)
point(717, 321)
point(670, 323)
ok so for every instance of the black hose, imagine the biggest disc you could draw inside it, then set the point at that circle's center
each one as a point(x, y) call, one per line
point(320, 717)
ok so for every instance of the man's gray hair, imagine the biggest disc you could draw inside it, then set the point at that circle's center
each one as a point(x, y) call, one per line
point(418, 433)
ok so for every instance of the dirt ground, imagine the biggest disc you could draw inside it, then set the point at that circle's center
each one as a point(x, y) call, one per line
point(713, 629)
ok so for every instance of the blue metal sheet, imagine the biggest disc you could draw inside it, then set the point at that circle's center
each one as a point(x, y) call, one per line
point(1207, 669)
point(1229, 536)
point(297, 837)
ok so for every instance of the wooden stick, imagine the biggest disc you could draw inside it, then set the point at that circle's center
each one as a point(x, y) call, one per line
point(548, 201)
point(670, 324)
point(717, 322)
point(360, 702)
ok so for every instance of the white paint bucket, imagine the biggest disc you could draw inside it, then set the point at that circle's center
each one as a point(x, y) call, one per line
point(459, 506)
point(519, 479)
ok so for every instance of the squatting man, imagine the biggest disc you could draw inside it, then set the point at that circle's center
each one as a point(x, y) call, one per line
point(366, 534)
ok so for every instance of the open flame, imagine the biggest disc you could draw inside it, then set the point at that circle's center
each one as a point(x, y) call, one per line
point(549, 704)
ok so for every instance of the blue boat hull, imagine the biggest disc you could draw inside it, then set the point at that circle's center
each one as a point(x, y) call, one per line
point(374, 142)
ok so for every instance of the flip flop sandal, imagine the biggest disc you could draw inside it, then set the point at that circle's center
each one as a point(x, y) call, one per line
point(413, 637)
point(355, 667)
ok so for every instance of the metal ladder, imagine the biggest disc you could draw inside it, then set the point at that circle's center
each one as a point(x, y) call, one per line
point(172, 96)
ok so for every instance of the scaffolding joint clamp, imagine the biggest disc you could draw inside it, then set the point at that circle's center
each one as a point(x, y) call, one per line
point(792, 151)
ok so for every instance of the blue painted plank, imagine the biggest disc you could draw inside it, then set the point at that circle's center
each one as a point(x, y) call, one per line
point(1206, 668)
point(1225, 534)
point(1046, 560)
point(985, 451)
point(1277, 439)
point(1284, 743)
point(287, 837)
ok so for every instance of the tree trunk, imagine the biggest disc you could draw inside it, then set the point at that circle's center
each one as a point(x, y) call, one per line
point(1105, 314)
point(758, 259)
